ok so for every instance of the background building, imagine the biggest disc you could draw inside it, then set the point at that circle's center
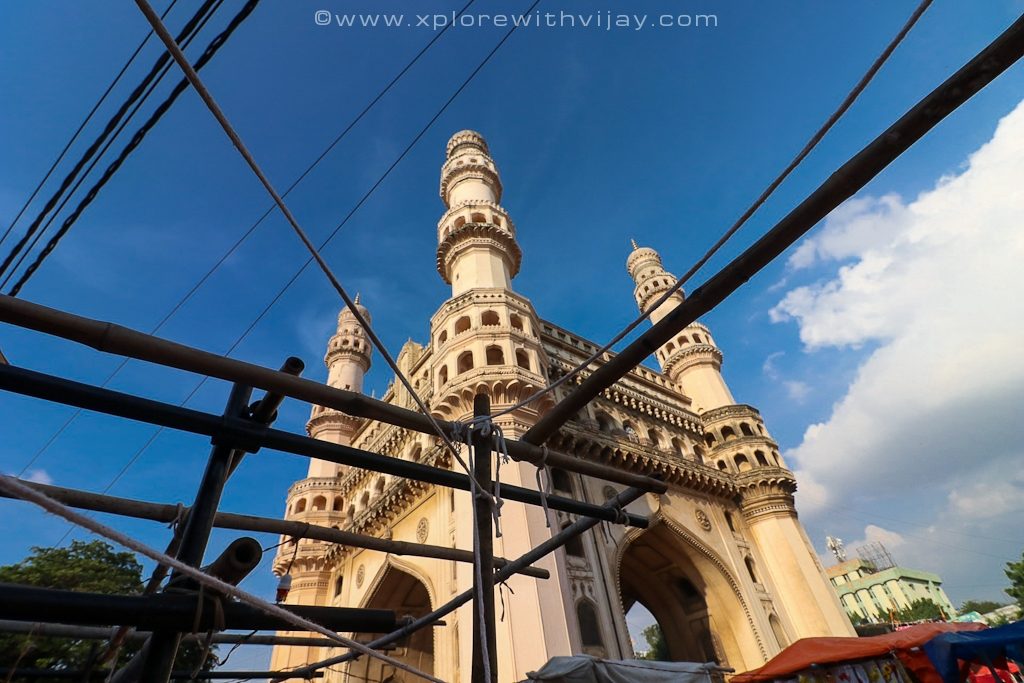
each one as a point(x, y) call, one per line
point(725, 567)
point(872, 587)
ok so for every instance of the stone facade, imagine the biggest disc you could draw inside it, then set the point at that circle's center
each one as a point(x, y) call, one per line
point(726, 568)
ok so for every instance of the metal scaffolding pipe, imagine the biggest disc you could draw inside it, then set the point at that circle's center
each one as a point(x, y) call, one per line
point(163, 512)
point(840, 186)
point(173, 612)
point(556, 541)
point(100, 675)
point(101, 633)
point(123, 341)
point(250, 436)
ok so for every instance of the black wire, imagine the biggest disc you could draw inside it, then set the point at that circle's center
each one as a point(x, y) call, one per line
point(233, 248)
point(136, 140)
point(111, 124)
point(81, 126)
point(107, 145)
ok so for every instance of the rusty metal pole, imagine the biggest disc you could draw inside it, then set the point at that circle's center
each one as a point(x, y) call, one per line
point(484, 631)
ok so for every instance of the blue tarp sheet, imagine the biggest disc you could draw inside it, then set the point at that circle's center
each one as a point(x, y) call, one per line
point(988, 647)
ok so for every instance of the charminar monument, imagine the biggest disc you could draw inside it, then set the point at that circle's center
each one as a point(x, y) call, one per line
point(726, 567)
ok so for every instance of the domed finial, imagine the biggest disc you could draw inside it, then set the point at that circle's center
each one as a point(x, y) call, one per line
point(356, 300)
point(633, 242)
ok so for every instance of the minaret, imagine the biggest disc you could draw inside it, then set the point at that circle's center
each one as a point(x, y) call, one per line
point(692, 360)
point(485, 332)
point(476, 239)
point(347, 360)
point(317, 499)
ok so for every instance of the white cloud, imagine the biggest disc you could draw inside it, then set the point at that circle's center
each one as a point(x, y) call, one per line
point(797, 390)
point(934, 286)
point(39, 476)
point(769, 368)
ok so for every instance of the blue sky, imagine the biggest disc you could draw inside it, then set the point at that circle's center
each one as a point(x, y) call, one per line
point(664, 135)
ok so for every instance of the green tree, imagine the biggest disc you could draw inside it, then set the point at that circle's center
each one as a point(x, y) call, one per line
point(1015, 573)
point(919, 610)
point(93, 567)
point(657, 650)
point(979, 606)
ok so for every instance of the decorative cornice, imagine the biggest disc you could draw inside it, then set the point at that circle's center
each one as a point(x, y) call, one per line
point(478, 234)
point(686, 357)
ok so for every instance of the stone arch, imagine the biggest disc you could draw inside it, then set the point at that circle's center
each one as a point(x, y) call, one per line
point(462, 325)
point(742, 463)
point(443, 337)
point(490, 318)
point(442, 375)
point(523, 359)
point(516, 322)
point(591, 638)
point(300, 505)
point(319, 503)
point(691, 593)
point(728, 433)
point(745, 429)
point(339, 504)
point(399, 589)
point(761, 460)
point(465, 362)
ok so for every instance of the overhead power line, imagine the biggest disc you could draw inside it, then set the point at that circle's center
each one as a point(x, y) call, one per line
point(202, 280)
point(81, 126)
point(136, 140)
point(188, 30)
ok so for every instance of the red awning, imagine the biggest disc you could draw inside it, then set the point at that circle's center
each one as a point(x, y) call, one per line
point(807, 652)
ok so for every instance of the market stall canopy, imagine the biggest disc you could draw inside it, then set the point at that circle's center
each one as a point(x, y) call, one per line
point(808, 652)
point(991, 646)
point(586, 669)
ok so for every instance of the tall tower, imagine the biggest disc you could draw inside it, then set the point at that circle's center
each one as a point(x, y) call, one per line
point(692, 360)
point(486, 330)
point(317, 499)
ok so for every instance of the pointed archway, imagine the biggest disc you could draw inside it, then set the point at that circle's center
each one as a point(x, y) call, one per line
point(407, 596)
point(690, 596)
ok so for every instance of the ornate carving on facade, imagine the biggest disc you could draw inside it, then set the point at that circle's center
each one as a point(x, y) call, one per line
point(702, 519)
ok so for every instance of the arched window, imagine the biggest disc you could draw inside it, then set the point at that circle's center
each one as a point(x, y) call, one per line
point(729, 521)
point(460, 221)
point(745, 428)
point(490, 318)
point(300, 505)
point(630, 431)
point(709, 439)
point(777, 459)
point(465, 362)
point(351, 514)
point(378, 488)
point(677, 445)
point(320, 503)
point(742, 464)
point(605, 423)
point(574, 546)
point(495, 356)
point(722, 466)
point(364, 500)
point(339, 504)
point(761, 460)
point(442, 374)
point(654, 437)
point(683, 339)
point(339, 583)
point(560, 480)
point(522, 359)
point(728, 433)
point(697, 339)
point(462, 324)
point(749, 561)
point(698, 454)
point(443, 337)
point(670, 347)
point(516, 322)
point(479, 218)
point(590, 630)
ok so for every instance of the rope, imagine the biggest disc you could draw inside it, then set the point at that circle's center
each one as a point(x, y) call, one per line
point(542, 468)
point(811, 144)
point(17, 489)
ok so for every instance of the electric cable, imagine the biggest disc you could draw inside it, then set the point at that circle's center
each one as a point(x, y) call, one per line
point(206, 276)
point(81, 126)
point(208, 54)
point(111, 124)
point(811, 144)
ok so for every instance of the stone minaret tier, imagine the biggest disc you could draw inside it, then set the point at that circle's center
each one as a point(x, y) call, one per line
point(476, 239)
point(692, 360)
point(347, 360)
